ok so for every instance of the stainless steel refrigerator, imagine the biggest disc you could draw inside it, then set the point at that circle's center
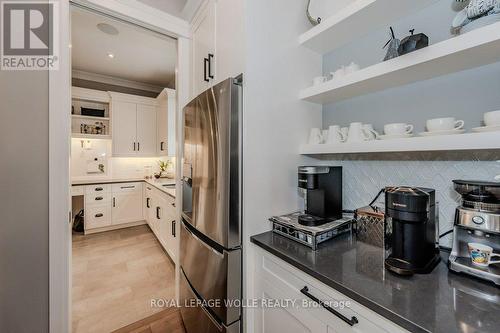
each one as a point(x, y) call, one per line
point(211, 255)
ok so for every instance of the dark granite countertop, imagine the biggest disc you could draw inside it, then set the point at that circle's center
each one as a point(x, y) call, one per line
point(439, 302)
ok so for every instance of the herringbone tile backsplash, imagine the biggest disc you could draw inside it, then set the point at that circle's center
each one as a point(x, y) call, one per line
point(364, 178)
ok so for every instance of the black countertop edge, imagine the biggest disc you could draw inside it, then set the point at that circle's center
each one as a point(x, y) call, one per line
point(92, 182)
point(386, 313)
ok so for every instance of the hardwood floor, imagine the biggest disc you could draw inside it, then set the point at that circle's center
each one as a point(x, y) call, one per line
point(166, 321)
point(115, 276)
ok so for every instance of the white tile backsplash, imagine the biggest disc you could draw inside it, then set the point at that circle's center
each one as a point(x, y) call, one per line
point(115, 167)
point(364, 178)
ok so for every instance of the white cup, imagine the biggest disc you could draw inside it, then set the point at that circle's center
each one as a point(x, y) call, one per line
point(324, 136)
point(315, 136)
point(335, 135)
point(319, 80)
point(356, 133)
point(398, 129)
point(481, 254)
point(444, 124)
point(492, 118)
point(353, 67)
point(370, 132)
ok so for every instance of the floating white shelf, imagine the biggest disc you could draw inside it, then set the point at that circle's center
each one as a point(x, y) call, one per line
point(90, 136)
point(356, 20)
point(467, 141)
point(473, 49)
point(78, 116)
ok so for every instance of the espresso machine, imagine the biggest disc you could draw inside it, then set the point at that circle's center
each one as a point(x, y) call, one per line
point(413, 245)
point(322, 186)
point(477, 220)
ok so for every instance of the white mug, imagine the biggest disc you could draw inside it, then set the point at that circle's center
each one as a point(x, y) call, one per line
point(353, 67)
point(444, 124)
point(319, 80)
point(481, 254)
point(492, 118)
point(315, 137)
point(356, 133)
point(324, 136)
point(335, 135)
point(370, 132)
point(398, 129)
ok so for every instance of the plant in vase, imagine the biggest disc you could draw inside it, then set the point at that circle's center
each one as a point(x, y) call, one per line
point(164, 166)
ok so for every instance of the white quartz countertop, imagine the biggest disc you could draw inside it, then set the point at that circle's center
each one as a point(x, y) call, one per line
point(157, 183)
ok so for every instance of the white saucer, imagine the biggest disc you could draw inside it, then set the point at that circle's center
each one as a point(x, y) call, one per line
point(394, 136)
point(447, 132)
point(486, 129)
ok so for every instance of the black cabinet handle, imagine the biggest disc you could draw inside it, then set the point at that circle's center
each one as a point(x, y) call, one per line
point(173, 204)
point(134, 146)
point(98, 189)
point(210, 57)
point(114, 202)
point(158, 213)
point(125, 187)
point(147, 202)
point(99, 215)
point(173, 228)
point(205, 64)
point(138, 146)
point(161, 146)
point(350, 322)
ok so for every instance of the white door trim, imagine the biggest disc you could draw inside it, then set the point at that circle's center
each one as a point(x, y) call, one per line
point(59, 142)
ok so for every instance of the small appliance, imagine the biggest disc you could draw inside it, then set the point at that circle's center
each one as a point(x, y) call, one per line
point(289, 226)
point(477, 221)
point(413, 245)
point(322, 186)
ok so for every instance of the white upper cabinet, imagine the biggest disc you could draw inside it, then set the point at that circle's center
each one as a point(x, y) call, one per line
point(203, 48)
point(165, 119)
point(134, 125)
point(217, 44)
point(146, 130)
point(124, 131)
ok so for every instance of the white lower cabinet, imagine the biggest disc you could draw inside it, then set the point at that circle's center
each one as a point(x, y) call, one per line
point(162, 220)
point(277, 280)
point(97, 217)
point(126, 203)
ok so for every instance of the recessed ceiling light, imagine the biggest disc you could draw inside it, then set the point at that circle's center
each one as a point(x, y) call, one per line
point(107, 29)
point(111, 55)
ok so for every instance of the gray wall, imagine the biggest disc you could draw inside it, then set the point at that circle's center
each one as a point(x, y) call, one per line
point(24, 257)
point(465, 95)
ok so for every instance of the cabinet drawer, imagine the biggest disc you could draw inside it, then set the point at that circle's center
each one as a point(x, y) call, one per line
point(292, 282)
point(98, 199)
point(126, 187)
point(77, 190)
point(99, 188)
point(97, 217)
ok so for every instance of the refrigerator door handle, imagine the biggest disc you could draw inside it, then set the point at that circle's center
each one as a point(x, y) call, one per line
point(202, 242)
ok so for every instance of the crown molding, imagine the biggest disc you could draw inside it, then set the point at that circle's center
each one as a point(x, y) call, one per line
point(107, 79)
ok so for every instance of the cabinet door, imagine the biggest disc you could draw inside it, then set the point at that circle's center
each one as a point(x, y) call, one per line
point(171, 233)
point(146, 130)
point(148, 204)
point(124, 128)
point(127, 203)
point(203, 45)
point(162, 126)
point(283, 318)
point(230, 43)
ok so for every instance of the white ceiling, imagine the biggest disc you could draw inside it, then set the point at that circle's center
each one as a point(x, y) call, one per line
point(139, 55)
point(183, 9)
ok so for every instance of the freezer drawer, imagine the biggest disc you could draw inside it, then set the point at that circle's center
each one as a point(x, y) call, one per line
point(197, 319)
point(215, 274)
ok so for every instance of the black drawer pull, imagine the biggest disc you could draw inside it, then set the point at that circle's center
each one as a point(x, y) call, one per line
point(350, 322)
point(147, 202)
point(158, 213)
point(99, 189)
point(210, 57)
point(173, 228)
point(173, 204)
point(99, 215)
point(99, 198)
point(205, 64)
point(125, 187)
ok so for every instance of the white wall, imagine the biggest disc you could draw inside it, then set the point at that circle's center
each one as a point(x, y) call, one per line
point(274, 119)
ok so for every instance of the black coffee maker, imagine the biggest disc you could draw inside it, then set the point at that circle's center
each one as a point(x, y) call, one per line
point(411, 214)
point(323, 194)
